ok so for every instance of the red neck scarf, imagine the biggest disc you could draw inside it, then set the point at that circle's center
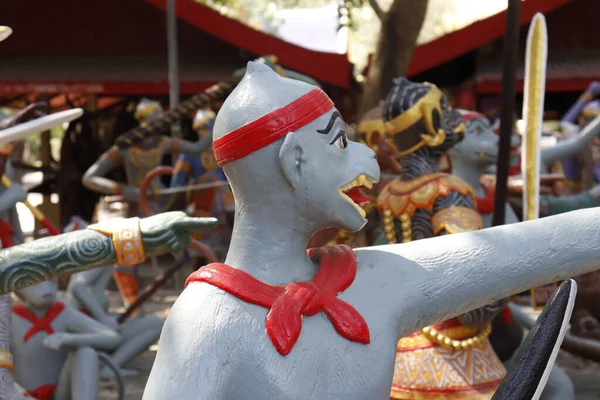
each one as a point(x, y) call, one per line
point(485, 205)
point(39, 324)
point(287, 304)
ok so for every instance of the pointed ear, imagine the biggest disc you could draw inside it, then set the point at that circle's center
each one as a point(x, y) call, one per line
point(291, 159)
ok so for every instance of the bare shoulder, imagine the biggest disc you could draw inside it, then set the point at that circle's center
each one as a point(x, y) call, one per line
point(202, 339)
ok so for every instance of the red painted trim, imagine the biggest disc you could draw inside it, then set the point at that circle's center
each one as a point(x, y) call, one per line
point(331, 68)
point(460, 42)
point(114, 88)
point(552, 85)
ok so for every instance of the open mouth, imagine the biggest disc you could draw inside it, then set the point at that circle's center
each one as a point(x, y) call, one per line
point(353, 192)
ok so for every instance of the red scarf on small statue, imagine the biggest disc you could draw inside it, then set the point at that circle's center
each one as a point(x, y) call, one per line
point(39, 324)
point(288, 304)
point(45, 392)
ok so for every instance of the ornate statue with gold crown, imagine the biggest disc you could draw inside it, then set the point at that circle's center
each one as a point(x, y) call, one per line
point(453, 357)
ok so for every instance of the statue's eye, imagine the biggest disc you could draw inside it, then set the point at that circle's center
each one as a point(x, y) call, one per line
point(340, 139)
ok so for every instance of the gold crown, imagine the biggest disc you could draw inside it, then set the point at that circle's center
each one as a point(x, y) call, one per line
point(422, 110)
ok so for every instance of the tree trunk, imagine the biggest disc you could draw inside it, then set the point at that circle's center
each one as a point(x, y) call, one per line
point(400, 28)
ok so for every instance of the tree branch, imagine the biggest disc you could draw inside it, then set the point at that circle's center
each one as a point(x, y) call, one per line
point(377, 8)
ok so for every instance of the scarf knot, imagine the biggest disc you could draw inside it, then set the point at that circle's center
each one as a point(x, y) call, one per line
point(288, 304)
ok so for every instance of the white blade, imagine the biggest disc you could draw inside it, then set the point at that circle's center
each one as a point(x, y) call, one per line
point(5, 32)
point(533, 113)
point(21, 131)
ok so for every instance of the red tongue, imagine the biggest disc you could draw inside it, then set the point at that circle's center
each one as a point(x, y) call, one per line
point(356, 195)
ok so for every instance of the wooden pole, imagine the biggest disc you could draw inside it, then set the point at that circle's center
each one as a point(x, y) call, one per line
point(173, 61)
point(507, 122)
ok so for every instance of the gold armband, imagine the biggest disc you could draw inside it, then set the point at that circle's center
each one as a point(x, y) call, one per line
point(6, 359)
point(127, 239)
point(456, 220)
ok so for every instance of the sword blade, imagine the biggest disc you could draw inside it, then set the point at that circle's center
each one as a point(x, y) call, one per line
point(533, 111)
point(21, 131)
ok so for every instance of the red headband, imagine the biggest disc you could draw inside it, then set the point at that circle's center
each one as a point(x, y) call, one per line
point(271, 127)
point(472, 115)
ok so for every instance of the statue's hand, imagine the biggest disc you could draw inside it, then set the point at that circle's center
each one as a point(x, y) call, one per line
point(58, 341)
point(171, 231)
point(594, 88)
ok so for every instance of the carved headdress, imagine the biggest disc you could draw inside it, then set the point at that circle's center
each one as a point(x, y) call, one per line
point(418, 115)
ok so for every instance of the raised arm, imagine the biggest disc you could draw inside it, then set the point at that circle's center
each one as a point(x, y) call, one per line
point(57, 256)
point(450, 275)
point(94, 178)
point(572, 145)
point(587, 96)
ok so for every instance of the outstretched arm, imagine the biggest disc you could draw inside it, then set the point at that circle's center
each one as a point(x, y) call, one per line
point(94, 178)
point(191, 148)
point(446, 276)
point(571, 146)
point(57, 256)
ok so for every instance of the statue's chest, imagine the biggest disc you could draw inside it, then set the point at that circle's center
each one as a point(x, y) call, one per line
point(34, 363)
point(410, 209)
point(138, 161)
point(333, 367)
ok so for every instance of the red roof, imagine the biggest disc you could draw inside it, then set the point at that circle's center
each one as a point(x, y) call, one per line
point(472, 37)
point(329, 68)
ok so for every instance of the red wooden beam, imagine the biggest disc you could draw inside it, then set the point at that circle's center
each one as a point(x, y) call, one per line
point(463, 41)
point(330, 68)
point(114, 88)
point(552, 85)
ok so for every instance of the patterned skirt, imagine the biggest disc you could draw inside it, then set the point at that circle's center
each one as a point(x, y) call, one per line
point(428, 371)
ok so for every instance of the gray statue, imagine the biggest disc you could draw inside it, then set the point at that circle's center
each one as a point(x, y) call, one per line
point(87, 292)
point(469, 159)
point(252, 331)
point(65, 339)
point(478, 151)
